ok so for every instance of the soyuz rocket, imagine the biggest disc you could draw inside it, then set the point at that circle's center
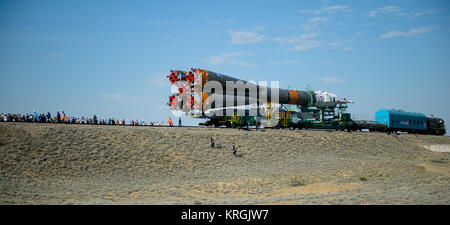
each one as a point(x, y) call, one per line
point(194, 91)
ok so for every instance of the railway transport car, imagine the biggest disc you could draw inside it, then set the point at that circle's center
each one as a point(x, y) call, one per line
point(411, 122)
point(435, 126)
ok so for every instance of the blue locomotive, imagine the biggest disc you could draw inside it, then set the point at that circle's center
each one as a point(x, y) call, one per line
point(418, 123)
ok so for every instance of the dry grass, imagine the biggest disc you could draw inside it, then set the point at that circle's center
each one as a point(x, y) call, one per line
point(82, 164)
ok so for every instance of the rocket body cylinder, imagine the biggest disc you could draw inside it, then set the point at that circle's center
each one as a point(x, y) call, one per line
point(285, 96)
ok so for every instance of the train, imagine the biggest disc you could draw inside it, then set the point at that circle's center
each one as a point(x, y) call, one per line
point(410, 122)
point(386, 121)
point(228, 101)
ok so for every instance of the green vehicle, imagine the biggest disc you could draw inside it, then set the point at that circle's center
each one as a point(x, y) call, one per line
point(316, 118)
point(230, 121)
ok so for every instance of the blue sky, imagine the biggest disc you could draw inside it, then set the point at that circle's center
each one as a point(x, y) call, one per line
point(111, 57)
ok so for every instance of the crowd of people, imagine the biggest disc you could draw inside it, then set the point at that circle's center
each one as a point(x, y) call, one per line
point(62, 117)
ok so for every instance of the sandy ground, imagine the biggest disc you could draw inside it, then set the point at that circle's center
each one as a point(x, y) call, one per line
point(83, 164)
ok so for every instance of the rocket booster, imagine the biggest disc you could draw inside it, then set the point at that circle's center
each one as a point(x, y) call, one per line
point(286, 96)
point(193, 88)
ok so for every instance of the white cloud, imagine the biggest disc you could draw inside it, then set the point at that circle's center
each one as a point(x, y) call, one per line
point(422, 12)
point(308, 36)
point(389, 9)
point(112, 97)
point(386, 10)
point(307, 11)
point(305, 45)
point(314, 22)
point(360, 33)
point(330, 80)
point(158, 79)
point(285, 62)
point(302, 42)
point(121, 98)
point(329, 9)
point(247, 64)
point(226, 58)
point(318, 20)
point(337, 8)
point(137, 99)
point(243, 37)
point(340, 44)
point(412, 32)
point(294, 39)
point(416, 15)
point(373, 13)
point(287, 39)
point(348, 48)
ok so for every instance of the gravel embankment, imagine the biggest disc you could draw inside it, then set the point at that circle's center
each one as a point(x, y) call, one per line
point(85, 164)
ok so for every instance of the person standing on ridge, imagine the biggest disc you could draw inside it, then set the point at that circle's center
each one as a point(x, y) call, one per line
point(179, 122)
point(58, 117)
